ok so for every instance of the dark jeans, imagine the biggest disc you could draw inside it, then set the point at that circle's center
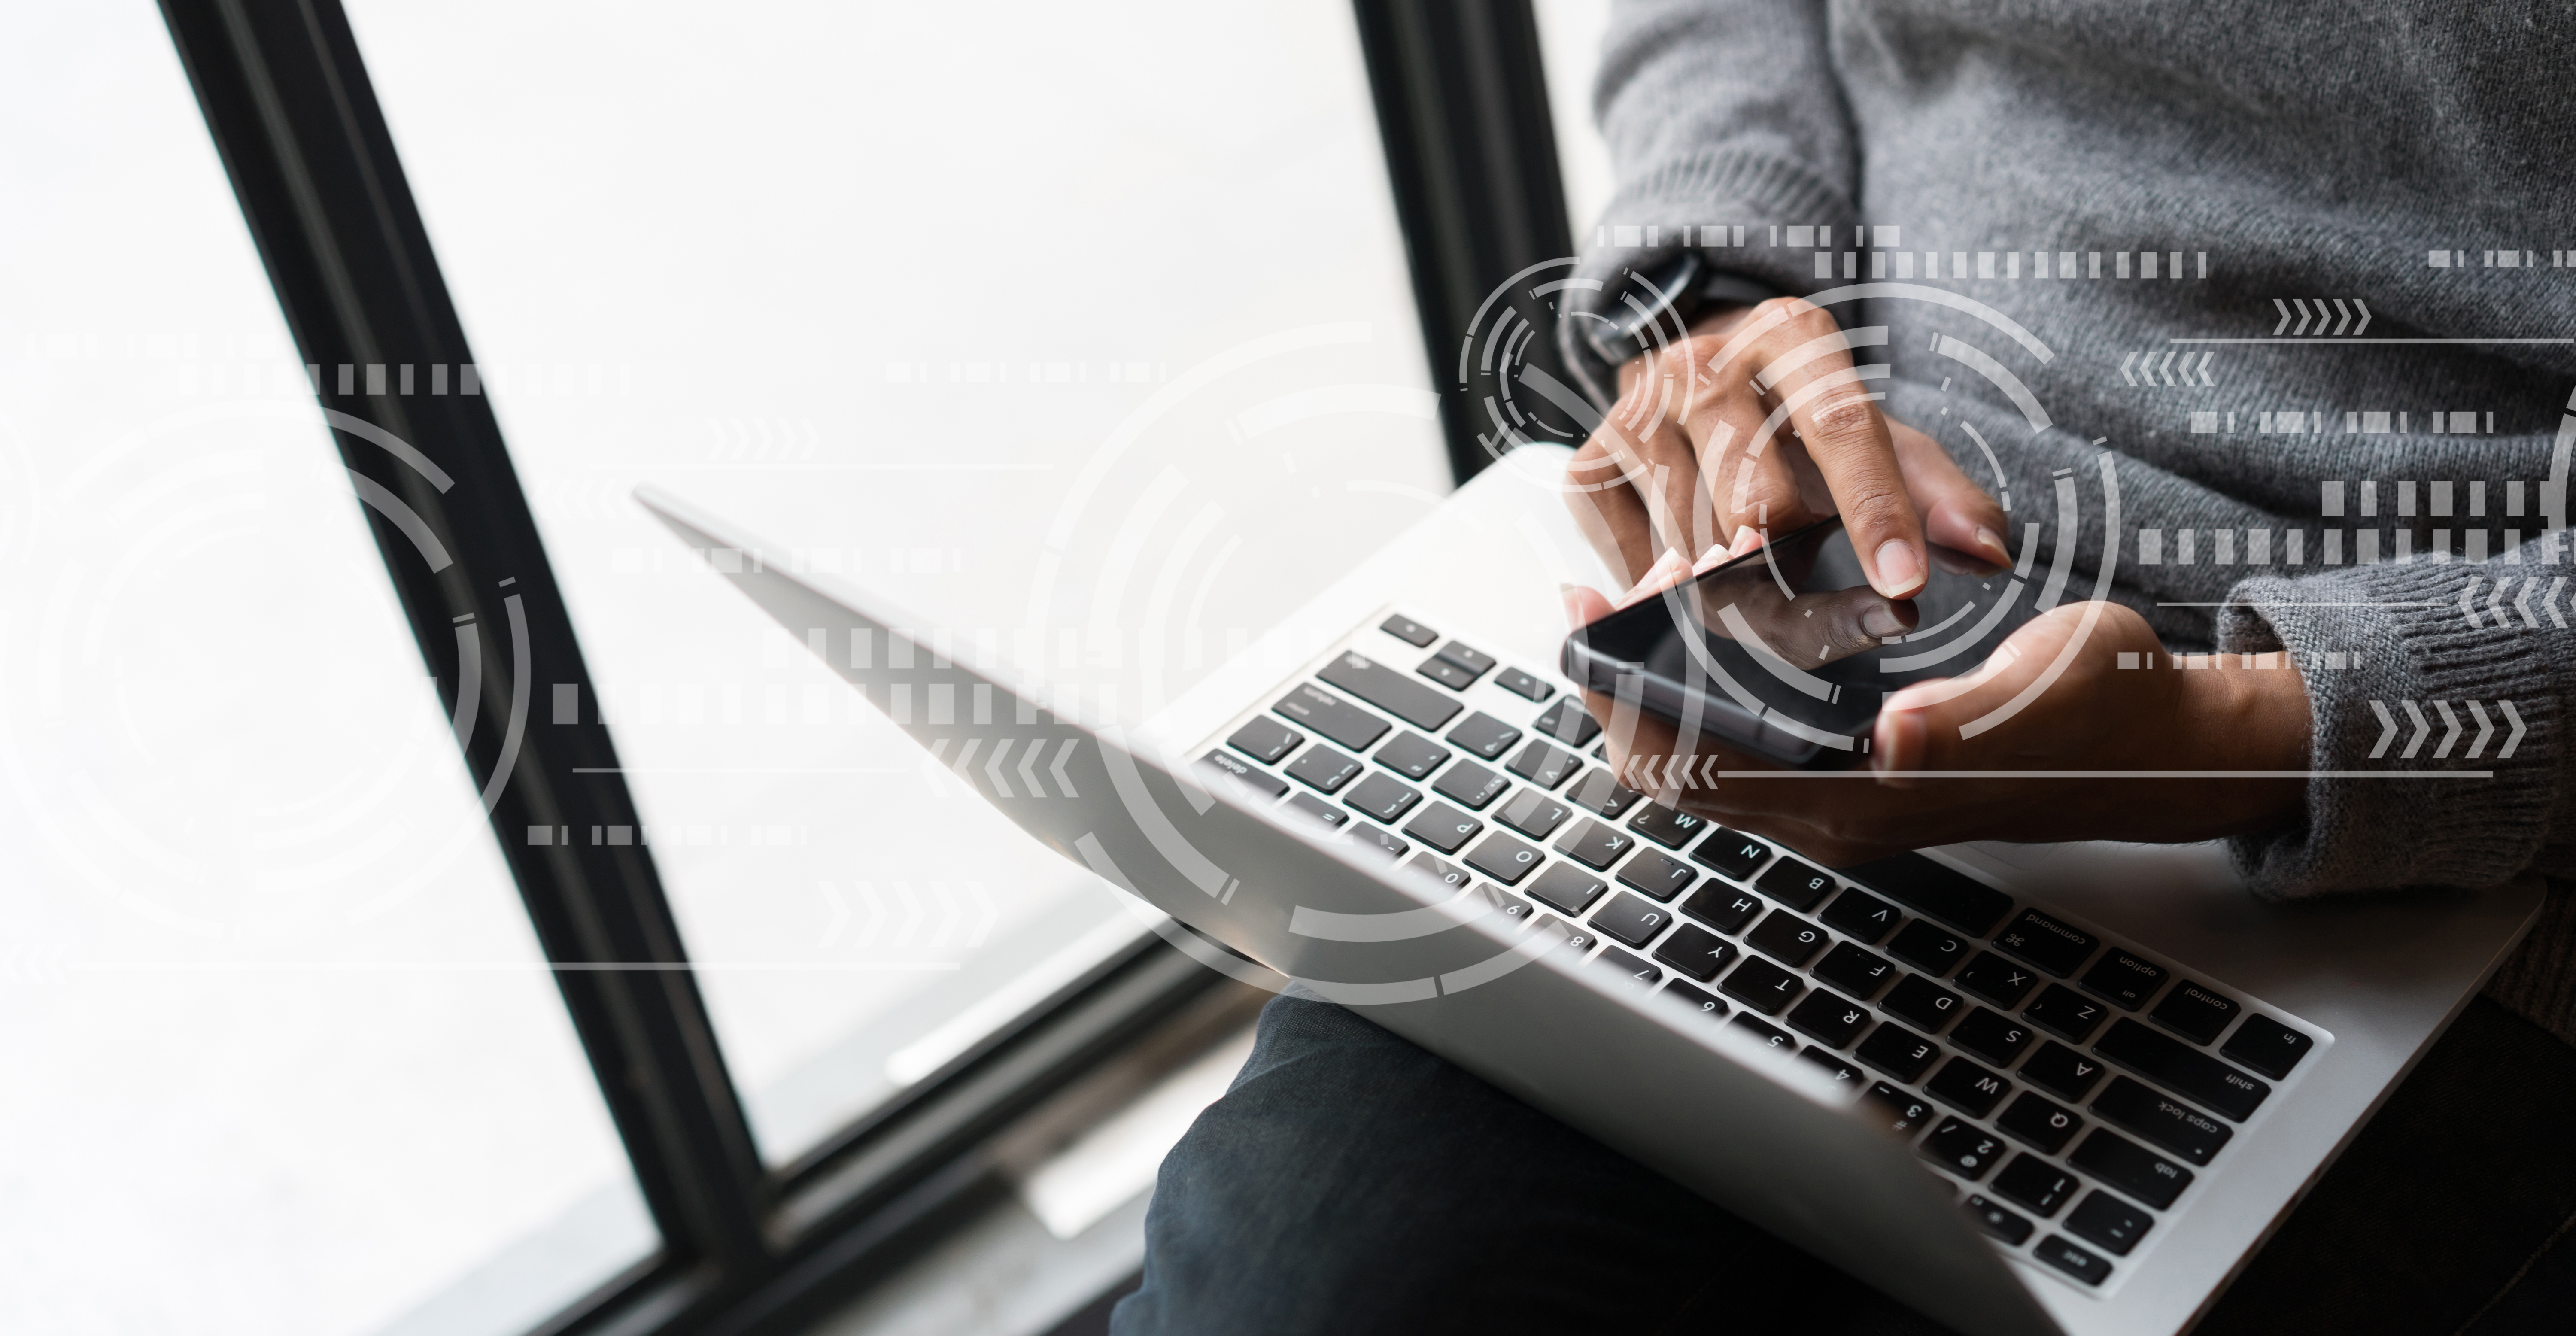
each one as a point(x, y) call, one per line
point(1351, 1182)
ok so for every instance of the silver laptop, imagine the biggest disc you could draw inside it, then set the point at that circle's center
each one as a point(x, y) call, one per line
point(2022, 1089)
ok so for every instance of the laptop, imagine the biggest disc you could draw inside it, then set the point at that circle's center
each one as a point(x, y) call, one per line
point(2022, 1089)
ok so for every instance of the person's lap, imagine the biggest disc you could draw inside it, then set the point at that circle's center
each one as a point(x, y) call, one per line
point(1352, 1182)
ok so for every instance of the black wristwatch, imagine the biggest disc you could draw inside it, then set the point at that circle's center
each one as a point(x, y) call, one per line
point(1671, 294)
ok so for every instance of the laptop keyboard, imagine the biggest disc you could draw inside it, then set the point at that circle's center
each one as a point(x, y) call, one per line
point(2074, 1089)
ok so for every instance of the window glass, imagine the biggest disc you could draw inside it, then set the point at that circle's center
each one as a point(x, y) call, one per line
point(281, 1056)
point(1082, 327)
point(1569, 43)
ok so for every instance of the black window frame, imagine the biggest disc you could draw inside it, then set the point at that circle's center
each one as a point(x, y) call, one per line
point(747, 1248)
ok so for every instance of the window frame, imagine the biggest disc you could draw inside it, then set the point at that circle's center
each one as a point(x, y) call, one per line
point(745, 1248)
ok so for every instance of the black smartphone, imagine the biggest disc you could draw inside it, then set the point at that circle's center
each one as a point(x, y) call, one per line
point(1786, 652)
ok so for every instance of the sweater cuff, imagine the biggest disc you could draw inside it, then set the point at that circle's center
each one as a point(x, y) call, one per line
point(2389, 645)
point(1696, 202)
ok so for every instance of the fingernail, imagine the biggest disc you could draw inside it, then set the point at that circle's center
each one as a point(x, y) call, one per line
point(1714, 557)
point(1899, 569)
point(1656, 577)
point(1993, 544)
point(1882, 622)
point(1746, 539)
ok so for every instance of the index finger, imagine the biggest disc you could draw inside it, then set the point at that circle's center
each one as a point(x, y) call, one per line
point(1832, 405)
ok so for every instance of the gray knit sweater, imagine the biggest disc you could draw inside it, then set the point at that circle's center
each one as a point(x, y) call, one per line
point(2113, 176)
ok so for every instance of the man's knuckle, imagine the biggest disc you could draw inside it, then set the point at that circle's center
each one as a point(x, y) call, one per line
point(1844, 419)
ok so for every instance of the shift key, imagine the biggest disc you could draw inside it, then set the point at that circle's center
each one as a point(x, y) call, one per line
point(1399, 694)
point(2184, 1070)
point(1330, 715)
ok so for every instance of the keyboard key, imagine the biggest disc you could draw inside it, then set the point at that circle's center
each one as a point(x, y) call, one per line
point(1443, 827)
point(1928, 948)
point(1731, 852)
point(1795, 884)
point(1544, 765)
point(1510, 906)
point(1318, 811)
point(2187, 1072)
point(1598, 792)
point(1897, 1051)
point(1723, 907)
point(1854, 971)
point(2110, 1222)
point(1927, 887)
point(1828, 1019)
point(2068, 1014)
point(1639, 976)
point(2063, 1072)
point(1696, 951)
point(1862, 916)
point(1700, 1000)
point(1533, 813)
point(1265, 740)
point(1412, 756)
point(1900, 1112)
point(1595, 845)
point(1382, 798)
point(1330, 715)
point(1768, 1034)
point(1383, 844)
point(1967, 1087)
point(1484, 735)
point(1505, 859)
point(2033, 1182)
point(2194, 1012)
point(1997, 1221)
point(1473, 660)
point(2267, 1046)
point(1787, 938)
point(2002, 982)
point(1922, 1002)
point(1963, 1148)
point(2072, 1260)
point(2043, 1124)
point(1997, 1039)
point(1448, 876)
point(1323, 768)
point(1520, 683)
point(2124, 979)
point(1761, 985)
point(1658, 876)
point(1398, 694)
point(1446, 673)
point(2047, 943)
point(1409, 631)
point(1564, 888)
point(2130, 1167)
point(1470, 785)
point(1666, 826)
point(1252, 785)
point(2161, 1120)
point(1632, 919)
point(1568, 722)
point(1832, 1064)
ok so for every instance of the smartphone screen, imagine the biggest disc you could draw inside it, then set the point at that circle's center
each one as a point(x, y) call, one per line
point(1787, 651)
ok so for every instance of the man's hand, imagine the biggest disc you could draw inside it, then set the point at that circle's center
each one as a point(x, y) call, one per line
point(2085, 734)
point(1759, 421)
